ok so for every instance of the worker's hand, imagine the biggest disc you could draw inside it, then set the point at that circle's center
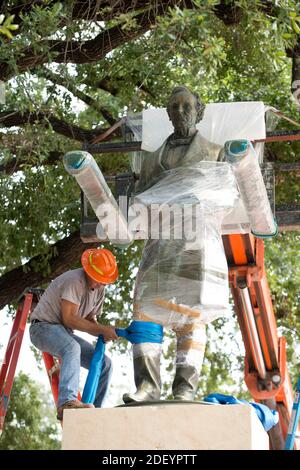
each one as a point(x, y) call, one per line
point(108, 333)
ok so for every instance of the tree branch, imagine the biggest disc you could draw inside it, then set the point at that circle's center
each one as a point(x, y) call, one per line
point(14, 282)
point(24, 8)
point(106, 85)
point(59, 80)
point(228, 12)
point(294, 54)
point(94, 49)
point(16, 118)
point(105, 10)
point(232, 14)
point(16, 164)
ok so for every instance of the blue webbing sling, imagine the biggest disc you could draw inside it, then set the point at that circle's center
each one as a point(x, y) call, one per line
point(137, 332)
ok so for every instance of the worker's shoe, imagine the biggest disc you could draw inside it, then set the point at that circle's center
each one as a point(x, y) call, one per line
point(72, 404)
point(185, 383)
point(147, 379)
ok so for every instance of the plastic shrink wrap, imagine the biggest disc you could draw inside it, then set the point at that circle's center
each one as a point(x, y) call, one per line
point(182, 277)
point(88, 175)
point(221, 122)
point(242, 156)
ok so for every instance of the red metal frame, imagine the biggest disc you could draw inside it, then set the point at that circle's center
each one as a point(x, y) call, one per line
point(53, 368)
point(8, 368)
point(9, 364)
point(266, 373)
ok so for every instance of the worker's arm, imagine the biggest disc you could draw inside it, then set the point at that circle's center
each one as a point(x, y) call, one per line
point(71, 320)
point(91, 317)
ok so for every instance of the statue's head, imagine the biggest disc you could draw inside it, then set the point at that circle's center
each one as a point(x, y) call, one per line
point(184, 109)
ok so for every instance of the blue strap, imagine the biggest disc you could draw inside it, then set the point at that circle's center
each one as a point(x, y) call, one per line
point(137, 332)
point(92, 380)
point(142, 332)
point(267, 417)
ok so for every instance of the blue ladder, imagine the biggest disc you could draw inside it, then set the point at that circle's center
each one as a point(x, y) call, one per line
point(293, 426)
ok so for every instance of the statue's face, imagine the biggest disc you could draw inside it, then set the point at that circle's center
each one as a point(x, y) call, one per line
point(182, 112)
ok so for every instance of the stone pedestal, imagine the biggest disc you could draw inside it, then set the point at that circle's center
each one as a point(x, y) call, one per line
point(171, 426)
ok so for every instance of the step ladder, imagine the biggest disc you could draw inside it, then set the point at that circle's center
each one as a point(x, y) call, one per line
point(26, 304)
point(7, 373)
point(52, 365)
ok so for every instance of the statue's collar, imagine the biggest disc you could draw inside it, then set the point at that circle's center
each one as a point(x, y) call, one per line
point(175, 142)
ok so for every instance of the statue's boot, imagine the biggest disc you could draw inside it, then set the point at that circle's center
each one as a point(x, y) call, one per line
point(185, 383)
point(147, 379)
point(191, 340)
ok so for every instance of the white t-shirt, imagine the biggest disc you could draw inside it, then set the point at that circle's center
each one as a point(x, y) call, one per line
point(72, 286)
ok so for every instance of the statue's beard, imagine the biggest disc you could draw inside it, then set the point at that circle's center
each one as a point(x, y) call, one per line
point(183, 127)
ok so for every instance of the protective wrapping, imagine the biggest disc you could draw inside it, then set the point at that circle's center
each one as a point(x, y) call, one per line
point(192, 197)
point(91, 180)
point(182, 277)
point(133, 132)
point(243, 158)
point(221, 122)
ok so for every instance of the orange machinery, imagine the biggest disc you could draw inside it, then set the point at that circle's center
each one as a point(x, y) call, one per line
point(266, 372)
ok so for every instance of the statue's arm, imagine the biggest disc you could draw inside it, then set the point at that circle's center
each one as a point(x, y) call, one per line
point(143, 179)
point(221, 156)
point(148, 170)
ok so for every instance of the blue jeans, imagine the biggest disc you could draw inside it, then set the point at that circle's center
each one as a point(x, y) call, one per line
point(73, 352)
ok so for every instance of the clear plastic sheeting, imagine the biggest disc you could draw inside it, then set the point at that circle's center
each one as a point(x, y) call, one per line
point(134, 125)
point(191, 341)
point(88, 175)
point(191, 344)
point(183, 275)
point(146, 349)
point(221, 122)
point(243, 158)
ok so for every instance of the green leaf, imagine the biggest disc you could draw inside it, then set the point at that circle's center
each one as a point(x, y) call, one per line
point(295, 27)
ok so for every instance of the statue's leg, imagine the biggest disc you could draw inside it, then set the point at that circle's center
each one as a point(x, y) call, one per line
point(146, 362)
point(191, 341)
point(146, 356)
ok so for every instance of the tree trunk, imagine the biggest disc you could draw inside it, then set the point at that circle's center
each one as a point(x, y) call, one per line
point(68, 251)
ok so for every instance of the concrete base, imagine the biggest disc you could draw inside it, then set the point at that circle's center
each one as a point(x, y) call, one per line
point(171, 426)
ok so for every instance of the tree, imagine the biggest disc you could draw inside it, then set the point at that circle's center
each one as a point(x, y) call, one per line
point(54, 62)
point(74, 68)
point(30, 421)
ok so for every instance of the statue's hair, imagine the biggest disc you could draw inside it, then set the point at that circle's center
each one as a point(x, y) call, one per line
point(200, 107)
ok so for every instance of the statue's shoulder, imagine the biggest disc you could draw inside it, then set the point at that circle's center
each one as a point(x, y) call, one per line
point(155, 154)
point(200, 140)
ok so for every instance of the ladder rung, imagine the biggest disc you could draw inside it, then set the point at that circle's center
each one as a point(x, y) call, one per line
point(53, 370)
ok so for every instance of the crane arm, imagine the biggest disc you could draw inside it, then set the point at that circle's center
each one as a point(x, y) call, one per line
point(266, 373)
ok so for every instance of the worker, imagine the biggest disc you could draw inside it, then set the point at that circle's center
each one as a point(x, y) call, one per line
point(72, 302)
point(178, 286)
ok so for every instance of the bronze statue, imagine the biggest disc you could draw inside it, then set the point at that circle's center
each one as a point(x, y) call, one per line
point(176, 284)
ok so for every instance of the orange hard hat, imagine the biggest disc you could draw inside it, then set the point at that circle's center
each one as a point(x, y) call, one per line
point(100, 264)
